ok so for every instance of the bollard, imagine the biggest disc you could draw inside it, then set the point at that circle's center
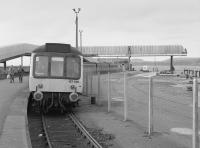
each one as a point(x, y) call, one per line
point(125, 99)
point(150, 130)
point(109, 103)
point(93, 100)
point(195, 136)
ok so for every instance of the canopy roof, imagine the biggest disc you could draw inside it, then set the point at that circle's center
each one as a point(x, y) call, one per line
point(15, 51)
point(136, 50)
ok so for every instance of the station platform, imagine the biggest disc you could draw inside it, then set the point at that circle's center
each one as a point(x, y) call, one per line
point(13, 111)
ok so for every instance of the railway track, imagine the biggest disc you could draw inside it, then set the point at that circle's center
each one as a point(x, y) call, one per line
point(69, 134)
point(57, 131)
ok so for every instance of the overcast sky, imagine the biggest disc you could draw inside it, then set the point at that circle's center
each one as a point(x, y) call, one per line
point(104, 22)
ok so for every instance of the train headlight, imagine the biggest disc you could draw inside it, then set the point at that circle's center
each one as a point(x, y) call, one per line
point(38, 95)
point(73, 97)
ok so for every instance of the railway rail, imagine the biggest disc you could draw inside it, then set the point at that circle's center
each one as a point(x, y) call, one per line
point(54, 131)
point(70, 129)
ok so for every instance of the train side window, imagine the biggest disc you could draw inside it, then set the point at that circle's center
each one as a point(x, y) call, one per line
point(57, 64)
point(73, 67)
point(41, 66)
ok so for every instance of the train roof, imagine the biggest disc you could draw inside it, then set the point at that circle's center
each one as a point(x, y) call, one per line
point(58, 48)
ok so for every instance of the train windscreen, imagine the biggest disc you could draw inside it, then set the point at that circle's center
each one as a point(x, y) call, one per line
point(41, 66)
point(73, 67)
point(57, 66)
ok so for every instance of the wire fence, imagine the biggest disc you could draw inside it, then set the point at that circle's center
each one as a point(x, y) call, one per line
point(161, 105)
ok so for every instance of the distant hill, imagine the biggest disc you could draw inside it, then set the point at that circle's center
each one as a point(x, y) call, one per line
point(187, 61)
point(177, 61)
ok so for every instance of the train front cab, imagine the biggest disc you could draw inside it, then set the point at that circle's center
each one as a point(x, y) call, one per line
point(55, 79)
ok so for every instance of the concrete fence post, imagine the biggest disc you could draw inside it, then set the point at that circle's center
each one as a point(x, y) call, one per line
point(125, 98)
point(195, 136)
point(84, 84)
point(99, 89)
point(87, 83)
point(150, 130)
point(91, 79)
point(109, 103)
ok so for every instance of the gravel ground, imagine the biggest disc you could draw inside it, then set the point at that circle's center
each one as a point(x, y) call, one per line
point(90, 115)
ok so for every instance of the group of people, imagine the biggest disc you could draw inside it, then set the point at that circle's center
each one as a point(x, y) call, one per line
point(12, 73)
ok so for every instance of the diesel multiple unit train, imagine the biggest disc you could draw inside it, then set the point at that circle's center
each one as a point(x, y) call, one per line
point(56, 76)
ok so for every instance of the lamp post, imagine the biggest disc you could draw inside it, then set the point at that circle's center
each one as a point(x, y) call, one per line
point(81, 31)
point(76, 22)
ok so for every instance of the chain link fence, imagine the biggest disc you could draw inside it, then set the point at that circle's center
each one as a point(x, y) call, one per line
point(162, 104)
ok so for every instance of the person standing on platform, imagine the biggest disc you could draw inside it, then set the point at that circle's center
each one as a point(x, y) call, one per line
point(11, 73)
point(20, 73)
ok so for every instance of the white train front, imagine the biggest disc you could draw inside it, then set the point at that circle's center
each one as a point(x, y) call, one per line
point(56, 76)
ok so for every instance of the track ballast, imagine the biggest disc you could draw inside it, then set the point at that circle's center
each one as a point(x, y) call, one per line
point(58, 131)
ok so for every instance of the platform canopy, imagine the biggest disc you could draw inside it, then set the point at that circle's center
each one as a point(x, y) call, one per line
point(15, 51)
point(134, 51)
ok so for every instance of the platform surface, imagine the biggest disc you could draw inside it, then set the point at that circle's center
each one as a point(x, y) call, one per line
point(13, 122)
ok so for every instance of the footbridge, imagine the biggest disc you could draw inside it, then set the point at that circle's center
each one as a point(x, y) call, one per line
point(20, 50)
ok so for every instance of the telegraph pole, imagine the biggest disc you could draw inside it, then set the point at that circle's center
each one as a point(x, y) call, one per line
point(81, 31)
point(76, 22)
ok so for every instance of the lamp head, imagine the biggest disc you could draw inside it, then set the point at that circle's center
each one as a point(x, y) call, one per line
point(79, 9)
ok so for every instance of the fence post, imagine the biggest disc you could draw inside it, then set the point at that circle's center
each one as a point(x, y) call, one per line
point(150, 130)
point(195, 136)
point(86, 83)
point(125, 99)
point(91, 79)
point(109, 103)
point(99, 101)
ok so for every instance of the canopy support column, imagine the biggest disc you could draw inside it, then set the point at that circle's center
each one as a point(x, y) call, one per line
point(22, 61)
point(171, 65)
point(4, 65)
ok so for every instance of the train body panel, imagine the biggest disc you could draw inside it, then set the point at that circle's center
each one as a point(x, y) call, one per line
point(56, 76)
point(100, 67)
point(54, 84)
